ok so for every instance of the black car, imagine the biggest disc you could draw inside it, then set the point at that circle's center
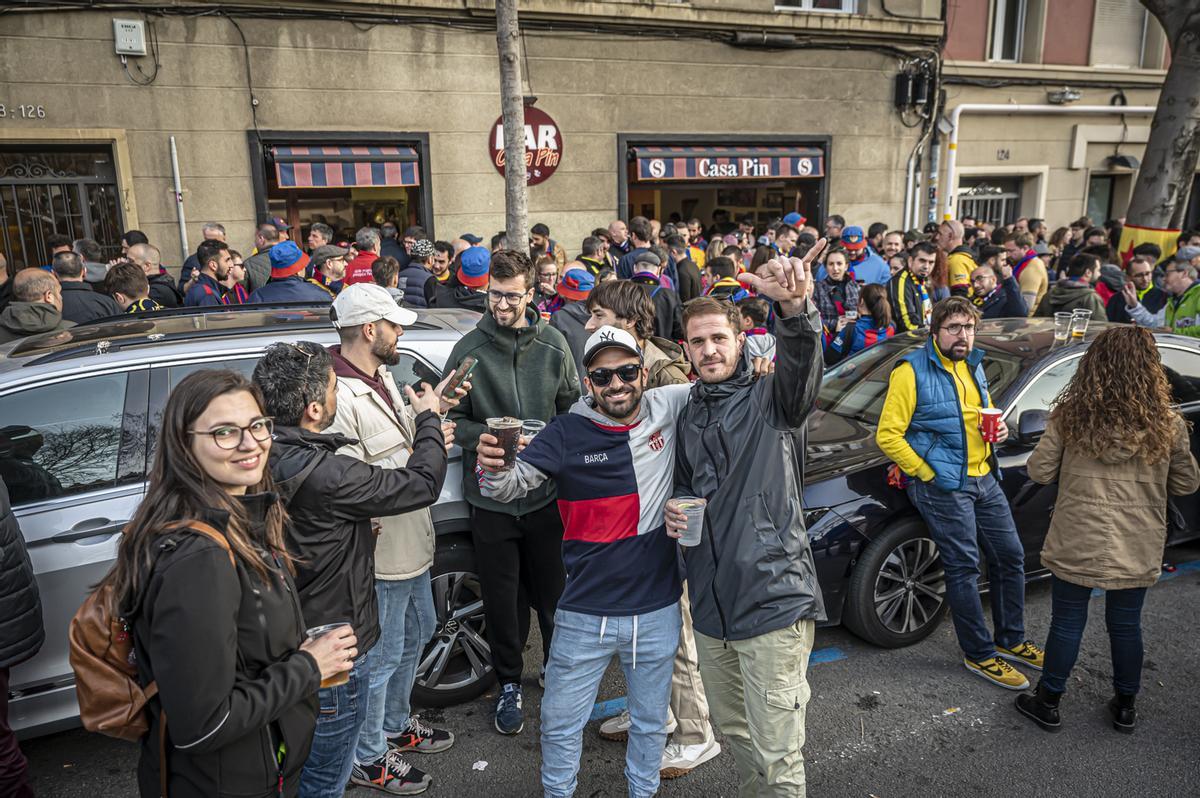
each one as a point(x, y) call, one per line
point(879, 570)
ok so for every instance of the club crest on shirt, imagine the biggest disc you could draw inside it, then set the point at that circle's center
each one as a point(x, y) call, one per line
point(656, 442)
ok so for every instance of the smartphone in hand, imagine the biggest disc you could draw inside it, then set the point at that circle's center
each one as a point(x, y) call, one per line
point(461, 375)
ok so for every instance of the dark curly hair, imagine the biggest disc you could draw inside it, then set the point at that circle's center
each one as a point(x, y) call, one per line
point(1120, 388)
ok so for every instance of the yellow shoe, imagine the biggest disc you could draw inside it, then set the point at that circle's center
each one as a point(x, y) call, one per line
point(998, 672)
point(1025, 653)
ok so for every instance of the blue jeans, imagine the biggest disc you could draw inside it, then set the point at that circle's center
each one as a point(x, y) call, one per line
point(958, 522)
point(407, 621)
point(343, 710)
point(582, 648)
point(1069, 611)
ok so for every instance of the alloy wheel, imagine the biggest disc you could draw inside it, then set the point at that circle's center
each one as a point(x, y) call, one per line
point(458, 655)
point(910, 587)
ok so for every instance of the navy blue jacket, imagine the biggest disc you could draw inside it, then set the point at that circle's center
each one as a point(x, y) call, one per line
point(290, 289)
point(414, 288)
point(205, 291)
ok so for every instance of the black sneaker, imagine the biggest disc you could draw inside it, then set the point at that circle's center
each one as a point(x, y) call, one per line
point(510, 719)
point(391, 774)
point(420, 738)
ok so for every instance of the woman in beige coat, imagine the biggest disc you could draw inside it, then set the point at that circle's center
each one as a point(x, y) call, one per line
point(1117, 449)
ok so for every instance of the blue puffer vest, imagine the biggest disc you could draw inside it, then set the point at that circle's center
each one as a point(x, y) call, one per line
point(937, 432)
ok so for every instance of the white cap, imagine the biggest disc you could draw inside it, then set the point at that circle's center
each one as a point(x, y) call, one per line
point(609, 336)
point(364, 303)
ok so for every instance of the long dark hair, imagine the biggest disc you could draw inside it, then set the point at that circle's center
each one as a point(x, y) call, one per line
point(876, 299)
point(181, 489)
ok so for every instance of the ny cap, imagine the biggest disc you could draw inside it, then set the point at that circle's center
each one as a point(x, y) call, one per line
point(606, 337)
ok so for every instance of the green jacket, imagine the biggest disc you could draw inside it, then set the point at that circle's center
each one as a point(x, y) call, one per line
point(525, 373)
point(1180, 315)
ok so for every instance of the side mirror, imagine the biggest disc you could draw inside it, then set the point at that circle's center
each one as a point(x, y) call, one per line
point(1031, 426)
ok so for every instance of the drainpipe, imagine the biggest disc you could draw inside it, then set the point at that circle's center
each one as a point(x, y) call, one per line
point(183, 242)
point(948, 188)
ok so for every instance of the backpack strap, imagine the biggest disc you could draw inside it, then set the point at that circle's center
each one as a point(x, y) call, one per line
point(207, 530)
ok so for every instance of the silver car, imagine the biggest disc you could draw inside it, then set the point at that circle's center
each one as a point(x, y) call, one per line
point(79, 412)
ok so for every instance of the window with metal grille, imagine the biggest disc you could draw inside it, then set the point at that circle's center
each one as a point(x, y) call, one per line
point(843, 6)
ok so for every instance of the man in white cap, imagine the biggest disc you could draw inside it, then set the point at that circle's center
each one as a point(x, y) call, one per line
point(371, 409)
point(623, 583)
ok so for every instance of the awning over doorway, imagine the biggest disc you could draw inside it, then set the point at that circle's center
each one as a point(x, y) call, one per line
point(345, 167)
point(721, 163)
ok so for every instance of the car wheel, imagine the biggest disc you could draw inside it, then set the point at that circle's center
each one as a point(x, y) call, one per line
point(897, 593)
point(456, 666)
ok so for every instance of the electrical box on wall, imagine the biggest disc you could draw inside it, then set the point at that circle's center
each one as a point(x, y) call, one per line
point(129, 36)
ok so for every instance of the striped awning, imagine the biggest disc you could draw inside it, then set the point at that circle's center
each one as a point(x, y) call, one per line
point(345, 167)
point(708, 164)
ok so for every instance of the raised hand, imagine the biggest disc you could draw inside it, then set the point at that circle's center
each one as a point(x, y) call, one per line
point(788, 281)
point(427, 399)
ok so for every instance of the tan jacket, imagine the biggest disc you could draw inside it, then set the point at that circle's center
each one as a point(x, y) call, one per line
point(1110, 519)
point(666, 363)
point(406, 544)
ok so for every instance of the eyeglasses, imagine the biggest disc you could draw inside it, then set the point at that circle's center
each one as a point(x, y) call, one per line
point(959, 329)
point(512, 299)
point(230, 437)
point(627, 374)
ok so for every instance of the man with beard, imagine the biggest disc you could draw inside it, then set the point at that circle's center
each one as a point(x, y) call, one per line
point(524, 369)
point(331, 499)
point(930, 427)
point(623, 583)
point(385, 432)
point(215, 261)
point(909, 292)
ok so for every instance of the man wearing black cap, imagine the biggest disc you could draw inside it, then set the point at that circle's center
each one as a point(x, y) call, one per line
point(329, 268)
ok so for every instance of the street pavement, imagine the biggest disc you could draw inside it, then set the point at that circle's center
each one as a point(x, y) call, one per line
point(909, 722)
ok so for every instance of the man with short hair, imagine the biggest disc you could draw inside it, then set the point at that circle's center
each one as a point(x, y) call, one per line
point(162, 287)
point(1075, 290)
point(80, 302)
point(875, 235)
point(93, 265)
point(331, 500)
point(722, 280)
point(627, 306)
point(696, 233)
point(412, 234)
point(690, 285)
point(319, 235)
point(439, 264)
point(57, 243)
point(287, 283)
point(524, 368)
point(930, 427)
point(540, 242)
point(1029, 269)
point(908, 291)
point(834, 226)
point(1181, 313)
point(1139, 289)
point(591, 255)
point(994, 290)
point(126, 283)
point(367, 242)
point(648, 269)
point(215, 261)
point(786, 237)
point(893, 244)
point(754, 593)
point(467, 289)
point(209, 231)
point(385, 430)
point(36, 306)
point(258, 265)
point(328, 264)
point(960, 260)
point(641, 235)
point(389, 245)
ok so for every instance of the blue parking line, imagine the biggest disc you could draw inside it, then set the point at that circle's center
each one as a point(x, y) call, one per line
point(1182, 568)
point(615, 706)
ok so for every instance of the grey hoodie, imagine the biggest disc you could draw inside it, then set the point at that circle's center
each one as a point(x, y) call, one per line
point(22, 319)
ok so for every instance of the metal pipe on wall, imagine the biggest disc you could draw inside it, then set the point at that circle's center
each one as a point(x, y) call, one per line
point(183, 242)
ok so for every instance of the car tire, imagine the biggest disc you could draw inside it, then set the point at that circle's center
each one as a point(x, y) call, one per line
point(897, 591)
point(456, 665)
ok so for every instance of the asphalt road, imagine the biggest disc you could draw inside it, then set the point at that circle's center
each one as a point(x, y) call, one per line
point(909, 722)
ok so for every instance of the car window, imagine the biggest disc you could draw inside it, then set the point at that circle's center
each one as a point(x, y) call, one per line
point(62, 439)
point(244, 365)
point(1183, 374)
point(413, 371)
point(1045, 389)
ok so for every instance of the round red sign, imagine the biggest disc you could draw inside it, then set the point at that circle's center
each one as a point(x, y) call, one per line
point(543, 145)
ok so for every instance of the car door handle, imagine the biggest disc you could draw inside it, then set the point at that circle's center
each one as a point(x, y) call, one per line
point(95, 528)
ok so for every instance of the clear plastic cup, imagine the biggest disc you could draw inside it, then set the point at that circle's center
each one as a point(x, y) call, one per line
point(530, 427)
point(1062, 326)
point(507, 430)
point(693, 508)
point(1079, 323)
point(320, 631)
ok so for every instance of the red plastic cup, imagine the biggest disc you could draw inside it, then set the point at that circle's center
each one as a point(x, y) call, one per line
point(989, 423)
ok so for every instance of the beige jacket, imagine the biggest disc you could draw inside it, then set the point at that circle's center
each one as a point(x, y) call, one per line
point(406, 544)
point(1110, 518)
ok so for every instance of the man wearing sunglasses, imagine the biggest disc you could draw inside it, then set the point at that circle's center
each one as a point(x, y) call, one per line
point(622, 576)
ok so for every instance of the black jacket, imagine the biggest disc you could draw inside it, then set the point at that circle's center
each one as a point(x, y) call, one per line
point(82, 304)
point(222, 645)
point(452, 295)
point(570, 320)
point(331, 499)
point(415, 276)
point(689, 284)
point(668, 310)
point(740, 448)
point(1153, 300)
point(908, 296)
point(162, 291)
point(21, 632)
point(1004, 302)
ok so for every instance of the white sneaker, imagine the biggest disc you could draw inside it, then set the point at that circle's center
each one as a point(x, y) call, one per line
point(678, 759)
point(617, 728)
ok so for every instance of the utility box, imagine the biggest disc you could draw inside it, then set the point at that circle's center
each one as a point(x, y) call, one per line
point(129, 36)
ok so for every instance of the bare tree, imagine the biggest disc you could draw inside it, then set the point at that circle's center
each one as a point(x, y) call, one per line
point(512, 108)
point(1169, 165)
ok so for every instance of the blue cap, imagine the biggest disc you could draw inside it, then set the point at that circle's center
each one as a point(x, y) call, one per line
point(286, 260)
point(794, 219)
point(853, 238)
point(473, 265)
point(576, 284)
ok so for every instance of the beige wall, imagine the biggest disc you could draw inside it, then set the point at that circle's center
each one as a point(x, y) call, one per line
point(315, 75)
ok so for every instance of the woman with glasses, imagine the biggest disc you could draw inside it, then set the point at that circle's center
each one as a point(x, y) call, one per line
point(216, 623)
point(1118, 449)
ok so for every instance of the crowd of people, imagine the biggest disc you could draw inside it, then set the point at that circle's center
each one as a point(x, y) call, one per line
point(661, 364)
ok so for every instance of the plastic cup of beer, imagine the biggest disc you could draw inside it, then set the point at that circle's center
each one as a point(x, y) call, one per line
point(318, 632)
point(693, 508)
point(1079, 324)
point(989, 423)
point(1062, 326)
point(507, 431)
point(530, 427)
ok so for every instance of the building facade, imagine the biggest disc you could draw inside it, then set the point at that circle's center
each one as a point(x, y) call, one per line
point(357, 112)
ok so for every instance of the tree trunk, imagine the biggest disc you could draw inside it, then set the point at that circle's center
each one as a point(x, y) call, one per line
point(512, 107)
point(1160, 195)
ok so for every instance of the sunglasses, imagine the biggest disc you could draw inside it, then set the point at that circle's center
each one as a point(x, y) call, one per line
point(627, 374)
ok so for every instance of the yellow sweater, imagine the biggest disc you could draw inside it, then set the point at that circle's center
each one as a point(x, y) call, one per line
point(898, 410)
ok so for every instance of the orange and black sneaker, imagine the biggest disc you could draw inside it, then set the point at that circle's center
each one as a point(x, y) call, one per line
point(420, 739)
point(998, 672)
point(1027, 654)
point(391, 774)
